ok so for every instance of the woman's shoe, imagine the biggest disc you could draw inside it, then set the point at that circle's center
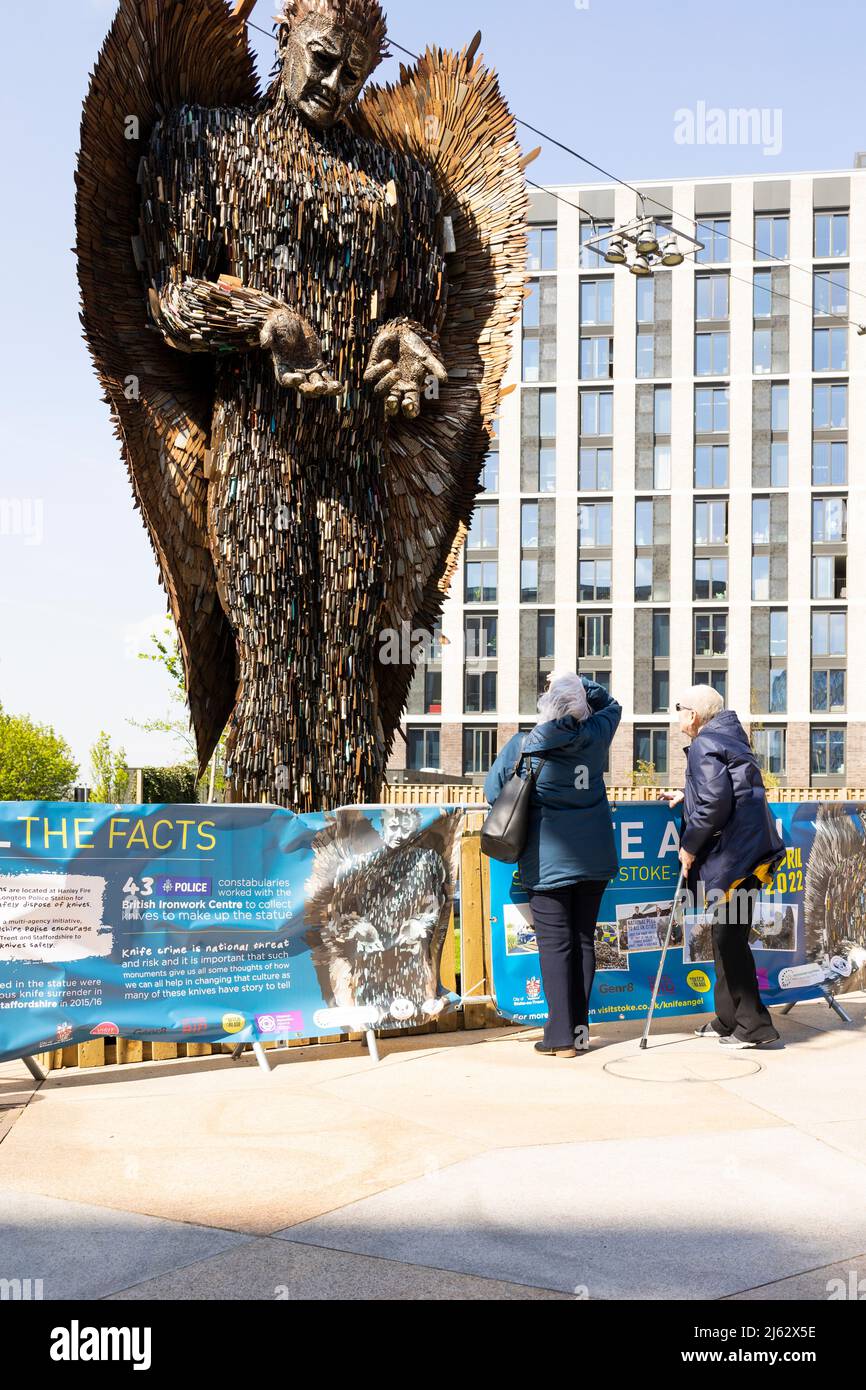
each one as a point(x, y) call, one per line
point(556, 1051)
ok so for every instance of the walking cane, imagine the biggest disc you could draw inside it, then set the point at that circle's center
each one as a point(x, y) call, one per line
point(645, 1039)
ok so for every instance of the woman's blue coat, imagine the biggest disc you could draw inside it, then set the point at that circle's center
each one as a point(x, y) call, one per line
point(570, 825)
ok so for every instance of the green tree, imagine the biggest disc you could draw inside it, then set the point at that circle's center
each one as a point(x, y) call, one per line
point(165, 651)
point(644, 774)
point(35, 763)
point(109, 771)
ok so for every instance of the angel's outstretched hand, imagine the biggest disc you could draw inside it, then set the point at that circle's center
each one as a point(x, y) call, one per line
point(400, 367)
point(297, 355)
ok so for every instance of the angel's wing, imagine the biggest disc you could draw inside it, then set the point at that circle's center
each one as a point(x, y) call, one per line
point(449, 114)
point(158, 55)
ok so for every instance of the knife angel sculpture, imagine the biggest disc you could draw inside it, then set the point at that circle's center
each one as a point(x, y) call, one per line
point(300, 307)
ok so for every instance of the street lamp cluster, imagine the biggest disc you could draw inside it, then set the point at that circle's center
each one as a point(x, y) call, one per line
point(644, 246)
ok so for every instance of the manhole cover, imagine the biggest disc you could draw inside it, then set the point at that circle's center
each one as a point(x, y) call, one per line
point(649, 1066)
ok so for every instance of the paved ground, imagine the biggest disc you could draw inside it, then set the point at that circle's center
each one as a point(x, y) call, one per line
point(462, 1167)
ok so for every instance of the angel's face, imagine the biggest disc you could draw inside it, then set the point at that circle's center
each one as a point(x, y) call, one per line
point(325, 65)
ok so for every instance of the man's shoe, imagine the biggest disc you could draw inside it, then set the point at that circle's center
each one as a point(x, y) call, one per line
point(734, 1041)
point(556, 1051)
point(707, 1031)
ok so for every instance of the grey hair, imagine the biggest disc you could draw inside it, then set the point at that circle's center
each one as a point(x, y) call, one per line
point(704, 701)
point(565, 698)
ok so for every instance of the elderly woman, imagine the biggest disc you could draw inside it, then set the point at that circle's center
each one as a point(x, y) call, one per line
point(730, 842)
point(570, 855)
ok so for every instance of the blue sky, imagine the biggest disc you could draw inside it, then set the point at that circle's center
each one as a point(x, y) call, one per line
point(78, 592)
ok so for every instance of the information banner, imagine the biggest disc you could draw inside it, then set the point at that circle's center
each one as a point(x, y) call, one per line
point(219, 924)
point(809, 933)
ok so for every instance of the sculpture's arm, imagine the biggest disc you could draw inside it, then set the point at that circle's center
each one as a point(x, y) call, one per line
point(406, 361)
point(183, 249)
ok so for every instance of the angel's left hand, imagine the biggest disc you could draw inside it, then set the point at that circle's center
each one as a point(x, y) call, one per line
point(401, 364)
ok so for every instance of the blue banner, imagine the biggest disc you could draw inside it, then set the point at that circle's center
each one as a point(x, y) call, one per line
point(219, 924)
point(809, 933)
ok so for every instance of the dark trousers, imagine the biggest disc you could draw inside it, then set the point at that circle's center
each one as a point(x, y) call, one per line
point(565, 921)
point(739, 1009)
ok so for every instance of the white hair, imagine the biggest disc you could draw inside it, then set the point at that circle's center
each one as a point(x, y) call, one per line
point(704, 701)
point(565, 698)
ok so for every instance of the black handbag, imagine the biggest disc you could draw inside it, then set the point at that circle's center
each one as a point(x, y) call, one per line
point(504, 833)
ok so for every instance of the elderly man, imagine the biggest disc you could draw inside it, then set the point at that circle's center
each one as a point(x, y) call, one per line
point(729, 841)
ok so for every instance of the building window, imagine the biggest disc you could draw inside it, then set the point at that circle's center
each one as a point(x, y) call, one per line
point(529, 581)
point(831, 235)
point(596, 359)
point(830, 292)
point(423, 750)
point(712, 297)
point(484, 531)
point(482, 581)
point(712, 354)
point(711, 466)
point(712, 410)
point(830, 463)
point(479, 751)
point(830, 406)
point(529, 526)
point(651, 750)
point(662, 412)
point(828, 689)
point(644, 356)
point(542, 248)
point(596, 302)
point(830, 349)
point(643, 513)
point(596, 413)
point(593, 637)
point(828, 752)
point(760, 578)
point(481, 633)
point(780, 399)
point(711, 579)
point(662, 468)
point(711, 523)
point(829, 576)
point(829, 519)
point(643, 578)
point(711, 634)
point(594, 585)
point(771, 237)
point(596, 470)
point(546, 636)
point(715, 678)
point(762, 352)
point(778, 661)
point(480, 692)
point(715, 233)
point(761, 521)
point(829, 634)
point(596, 524)
point(591, 257)
point(771, 750)
point(763, 295)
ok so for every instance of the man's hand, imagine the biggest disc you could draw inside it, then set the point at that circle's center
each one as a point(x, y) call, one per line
point(401, 363)
point(687, 860)
point(297, 355)
point(673, 799)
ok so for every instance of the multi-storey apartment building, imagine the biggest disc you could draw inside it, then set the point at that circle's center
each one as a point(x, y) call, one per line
point(676, 494)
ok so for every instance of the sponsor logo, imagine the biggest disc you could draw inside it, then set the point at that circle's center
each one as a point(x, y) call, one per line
point(533, 988)
point(402, 1009)
point(63, 1032)
point(184, 887)
point(234, 1023)
point(193, 1025)
point(105, 1030)
point(279, 1025)
point(616, 989)
point(698, 981)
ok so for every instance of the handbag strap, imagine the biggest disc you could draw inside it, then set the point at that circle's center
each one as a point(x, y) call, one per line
point(534, 773)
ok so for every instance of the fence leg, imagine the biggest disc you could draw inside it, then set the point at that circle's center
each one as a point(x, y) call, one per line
point(261, 1057)
point(34, 1068)
point(372, 1045)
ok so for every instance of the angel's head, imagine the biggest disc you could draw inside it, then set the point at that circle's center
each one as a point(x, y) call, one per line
point(328, 50)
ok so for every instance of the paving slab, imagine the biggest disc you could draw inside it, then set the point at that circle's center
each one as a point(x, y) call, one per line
point(848, 1136)
point(253, 1159)
point(845, 1281)
point(81, 1251)
point(278, 1270)
point(670, 1218)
